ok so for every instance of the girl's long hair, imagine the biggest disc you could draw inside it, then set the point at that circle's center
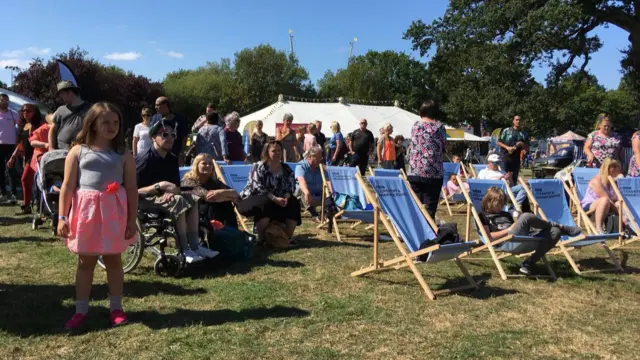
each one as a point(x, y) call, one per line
point(37, 119)
point(87, 135)
point(605, 167)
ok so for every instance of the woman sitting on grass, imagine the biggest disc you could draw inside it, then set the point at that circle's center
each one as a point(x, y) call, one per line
point(499, 223)
point(600, 196)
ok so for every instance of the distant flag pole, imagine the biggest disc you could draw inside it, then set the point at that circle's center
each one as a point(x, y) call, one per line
point(291, 41)
point(66, 73)
point(353, 42)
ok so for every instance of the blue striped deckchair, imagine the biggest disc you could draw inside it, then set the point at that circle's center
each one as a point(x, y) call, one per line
point(342, 180)
point(580, 177)
point(547, 197)
point(503, 247)
point(395, 204)
point(385, 172)
point(449, 168)
point(235, 177)
point(628, 190)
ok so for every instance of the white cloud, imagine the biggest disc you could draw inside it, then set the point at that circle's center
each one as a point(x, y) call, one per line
point(38, 51)
point(126, 56)
point(23, 64)
point(171, 53)
point(12, 53)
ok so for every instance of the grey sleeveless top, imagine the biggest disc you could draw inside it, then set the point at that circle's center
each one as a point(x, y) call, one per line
point(99, 168)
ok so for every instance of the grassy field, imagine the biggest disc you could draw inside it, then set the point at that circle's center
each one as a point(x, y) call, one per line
point(303, 304)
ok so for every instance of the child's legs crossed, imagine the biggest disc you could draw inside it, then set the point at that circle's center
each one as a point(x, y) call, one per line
point(550, 238)
point(528, 221)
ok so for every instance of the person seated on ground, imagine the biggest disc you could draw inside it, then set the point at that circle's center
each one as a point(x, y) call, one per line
point(158, 179)
point(493, 172)
point(309, 189)
point(216, 198)
point(499, 223)
point(453, 187)
point(268, 194)
point(600, 196)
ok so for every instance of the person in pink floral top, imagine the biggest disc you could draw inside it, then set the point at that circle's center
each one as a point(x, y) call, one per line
point(428, 142)
point(634, 163)
point(602, 143)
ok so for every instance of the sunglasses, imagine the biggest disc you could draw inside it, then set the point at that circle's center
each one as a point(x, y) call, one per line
point(167, 134)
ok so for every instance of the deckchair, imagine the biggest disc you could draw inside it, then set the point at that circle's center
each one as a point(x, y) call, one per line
point(342, 180)
point(409, 224)
point(499, 248)
point(579, 183)
point(449, 168)
point(386, 172)
point(548, 200)
point(628, 190)
point(476, 168)
point(236, 177)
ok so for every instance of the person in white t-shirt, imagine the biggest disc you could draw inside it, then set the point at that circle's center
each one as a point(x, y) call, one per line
point(141, 139)
point(493, 172)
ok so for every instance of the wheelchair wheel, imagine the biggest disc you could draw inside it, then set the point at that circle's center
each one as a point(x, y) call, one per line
point(132, 256)
point(167, 266)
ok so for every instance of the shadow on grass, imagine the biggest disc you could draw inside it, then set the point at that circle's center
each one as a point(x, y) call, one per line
point(185, 317)
point(15, 220)
point(29, 309)
point(11, 239)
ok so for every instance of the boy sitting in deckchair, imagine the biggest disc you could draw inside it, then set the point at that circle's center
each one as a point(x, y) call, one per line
point(499, 223)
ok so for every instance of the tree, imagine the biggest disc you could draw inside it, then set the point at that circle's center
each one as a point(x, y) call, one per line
point(379, 76)
point(255, 78)
point(98, 82)
point(3, 85)
point(534, 31)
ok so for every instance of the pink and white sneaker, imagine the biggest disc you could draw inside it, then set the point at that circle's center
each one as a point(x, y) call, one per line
point(77, 321)
point(118, 318)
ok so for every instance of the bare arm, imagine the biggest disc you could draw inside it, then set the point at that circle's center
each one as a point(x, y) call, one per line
point(39, 144)
point(70, 181)
point(134, 146)
point(379, 150)
point(52, 136)
point(303, 185)
point(498, 234)
point(635, 145)
point(587, 149)
point(596, 185)
point(130, 187)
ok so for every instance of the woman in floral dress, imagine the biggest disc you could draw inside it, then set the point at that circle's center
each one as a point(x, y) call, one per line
point(428, 143)
point(602, 143)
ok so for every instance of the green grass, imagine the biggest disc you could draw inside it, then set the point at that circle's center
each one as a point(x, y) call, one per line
point(303, 304)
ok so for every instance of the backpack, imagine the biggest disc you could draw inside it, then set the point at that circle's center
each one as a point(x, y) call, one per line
point(233, 244)
point(447, 234)
point(347, 202)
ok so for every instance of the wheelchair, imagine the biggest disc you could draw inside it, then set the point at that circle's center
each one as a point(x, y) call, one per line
point(155, 231)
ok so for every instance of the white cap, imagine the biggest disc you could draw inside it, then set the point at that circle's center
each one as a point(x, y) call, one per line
point(493, 158)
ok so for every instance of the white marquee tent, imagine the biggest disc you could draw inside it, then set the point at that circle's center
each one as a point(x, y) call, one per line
point(348, 115)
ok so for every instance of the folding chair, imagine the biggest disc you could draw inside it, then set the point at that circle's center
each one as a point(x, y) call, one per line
point(547, 198)
point(448, 169)
point(342, 180)
point(387, 172)
point(499, 248)
point(628, 190)
point(409, 224)
point(579, 183)
point(236, 177)
point(476, 168)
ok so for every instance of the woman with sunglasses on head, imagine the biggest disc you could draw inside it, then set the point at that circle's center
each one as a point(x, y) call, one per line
point(141, 139)
point(30, 121)
point(602, 143)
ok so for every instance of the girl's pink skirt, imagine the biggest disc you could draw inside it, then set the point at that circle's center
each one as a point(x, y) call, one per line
point(97, 223)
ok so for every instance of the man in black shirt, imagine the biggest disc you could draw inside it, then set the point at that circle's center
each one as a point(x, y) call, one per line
point(362, 143)
point(158, 178)
point(320, 138)
point(174, 120)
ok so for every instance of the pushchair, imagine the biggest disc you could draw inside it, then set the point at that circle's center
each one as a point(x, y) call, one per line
point(49, 176)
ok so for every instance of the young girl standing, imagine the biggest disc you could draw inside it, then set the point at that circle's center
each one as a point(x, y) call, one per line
point(102, 214)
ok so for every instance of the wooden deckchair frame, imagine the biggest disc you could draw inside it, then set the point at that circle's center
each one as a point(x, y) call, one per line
point(327, 191)
point(406, 258)
point(241, 219)
point(565, 246)
point(496, 255)
point(623, 243)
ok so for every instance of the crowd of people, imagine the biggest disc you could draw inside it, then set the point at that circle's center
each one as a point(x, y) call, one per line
point(106, 184)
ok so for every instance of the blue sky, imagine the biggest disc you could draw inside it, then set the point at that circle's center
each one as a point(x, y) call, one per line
point(153, 38)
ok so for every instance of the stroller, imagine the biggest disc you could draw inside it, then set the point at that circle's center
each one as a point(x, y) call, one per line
point(49, 177)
